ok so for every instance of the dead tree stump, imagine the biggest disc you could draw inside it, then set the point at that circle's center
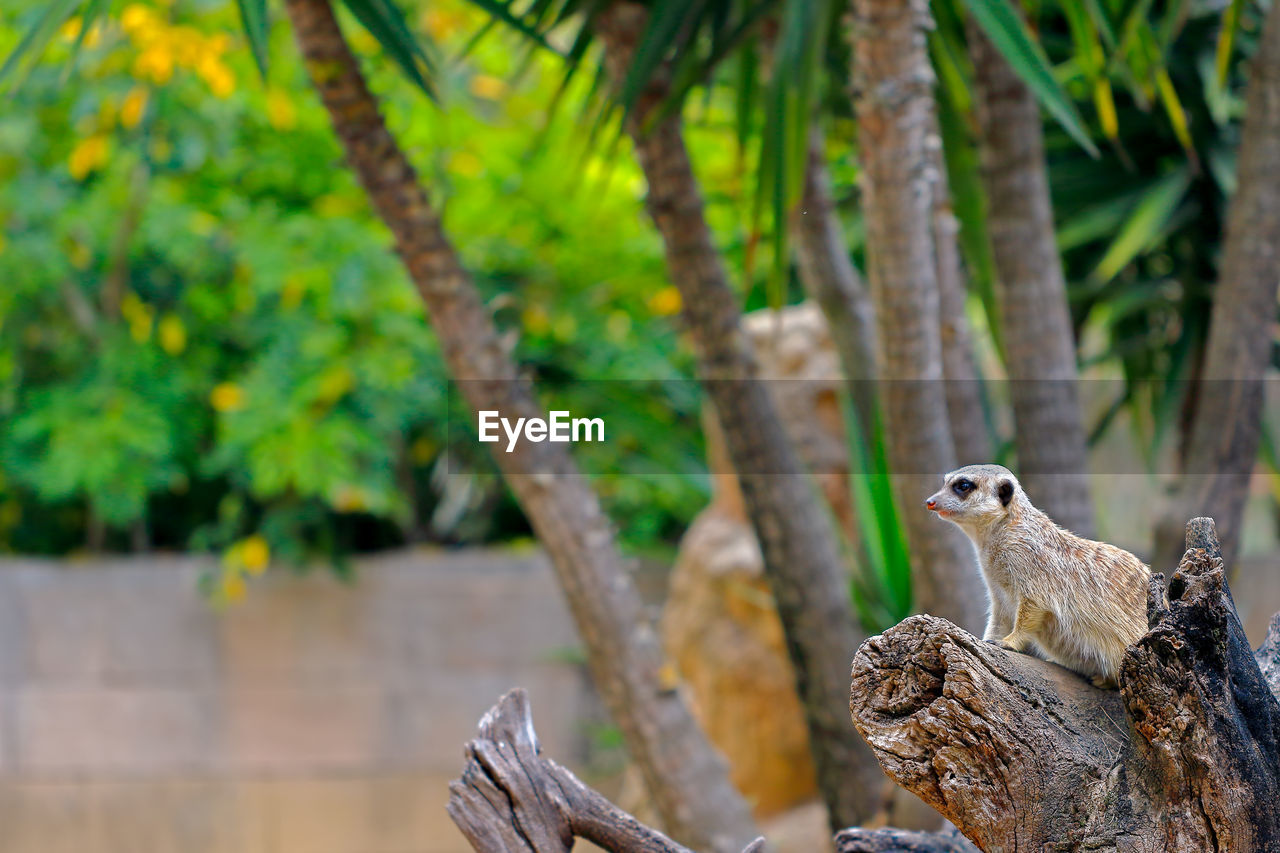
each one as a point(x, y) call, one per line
point(1023, 755)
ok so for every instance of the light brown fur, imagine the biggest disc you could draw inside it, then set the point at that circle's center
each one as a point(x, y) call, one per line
point(1073, 601)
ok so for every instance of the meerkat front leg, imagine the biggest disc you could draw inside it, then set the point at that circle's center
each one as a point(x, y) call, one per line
point(1000, 619)
point(1026, 624)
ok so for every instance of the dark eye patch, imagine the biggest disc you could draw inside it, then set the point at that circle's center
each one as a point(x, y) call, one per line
point(962, 488)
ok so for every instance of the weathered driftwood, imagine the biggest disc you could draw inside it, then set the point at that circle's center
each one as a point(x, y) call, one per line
point(512, 799)
point(902, 841)
point(1024, 755)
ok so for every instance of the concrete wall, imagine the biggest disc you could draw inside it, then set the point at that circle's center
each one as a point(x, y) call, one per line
point(314, 717)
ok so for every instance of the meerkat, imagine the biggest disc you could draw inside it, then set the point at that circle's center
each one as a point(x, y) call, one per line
point(1072, 601)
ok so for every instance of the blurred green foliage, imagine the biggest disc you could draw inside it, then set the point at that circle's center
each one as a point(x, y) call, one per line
point(205, 342)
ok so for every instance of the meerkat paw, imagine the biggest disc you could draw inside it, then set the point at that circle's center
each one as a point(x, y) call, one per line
point(1106, 682)
point(1011, 643)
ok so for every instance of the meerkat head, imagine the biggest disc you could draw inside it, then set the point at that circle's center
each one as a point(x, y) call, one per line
point(976, 496)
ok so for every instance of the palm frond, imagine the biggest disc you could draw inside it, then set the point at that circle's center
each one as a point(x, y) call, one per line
point(1002, 23)
point(386, 23)
point(253, 17)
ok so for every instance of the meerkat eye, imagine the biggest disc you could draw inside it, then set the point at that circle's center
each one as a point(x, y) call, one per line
point(963, 487)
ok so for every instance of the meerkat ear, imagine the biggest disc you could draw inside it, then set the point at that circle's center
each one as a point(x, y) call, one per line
point(1005, 492)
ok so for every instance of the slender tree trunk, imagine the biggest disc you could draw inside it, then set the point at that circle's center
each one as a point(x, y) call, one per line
point(828, 276)
point(1040, 351)
point(799, 545)
point(963, 390)
point(686, 778)
point(895, 113)
point(1228, 419)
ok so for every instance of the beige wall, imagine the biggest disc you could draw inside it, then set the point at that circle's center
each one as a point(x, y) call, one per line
point(314, 717)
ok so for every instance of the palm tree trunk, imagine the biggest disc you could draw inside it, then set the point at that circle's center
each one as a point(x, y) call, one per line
point(685, 776)
point(964, 391)
point(828, 276)
point(895, 113)
point(797, 539)
point(1040, 352)
point(1228, 419)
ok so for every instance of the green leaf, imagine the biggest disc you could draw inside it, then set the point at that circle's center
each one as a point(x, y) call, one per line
point(1011, 37)
point(253, 15)
point(38, 36)
point(505, 13)
point(387, 25)
point(745, 92)
point(967, 197)
point(1226, 39)
point(1103, 22)
point(884, 566)
point(90, 17)
point(1145, 223)
point(666, 19)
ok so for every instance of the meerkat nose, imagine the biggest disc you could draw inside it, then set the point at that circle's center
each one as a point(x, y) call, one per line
point(931, 504)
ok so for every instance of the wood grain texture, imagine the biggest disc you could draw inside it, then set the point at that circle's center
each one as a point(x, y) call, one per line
point(512, 799)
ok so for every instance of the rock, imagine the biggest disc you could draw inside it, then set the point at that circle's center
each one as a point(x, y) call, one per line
point(719, 626)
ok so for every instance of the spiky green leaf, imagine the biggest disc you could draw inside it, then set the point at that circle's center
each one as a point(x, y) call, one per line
point(1009, 33)
point(253, 17)
point(37, 38)
point(1145, 223)
point(386, 23)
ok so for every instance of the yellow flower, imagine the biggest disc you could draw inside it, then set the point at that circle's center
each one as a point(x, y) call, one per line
point(203, 223)
point(188, 45)
point(441, 25)
point(350, 498)
point(133, 108)
point(536, 320)
point(139, 315)
point(216, 75)
point(254, 554)
point(173, 334)
point(618, 326)
point(666, 302)
point(79, 255)
point(136, 17)
point(233, 586)
point(334, 204)
point(10, 514)
point(132, 308)
point(280, 110)
point(335, 383)
point(89, 154)
point(363, 42)
point(140, 329)
point(70, 31)
point(227, 397)
point(487, 86)
point(154, 64)
point(466, 164)
point(423, 450)
point(292, 292)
